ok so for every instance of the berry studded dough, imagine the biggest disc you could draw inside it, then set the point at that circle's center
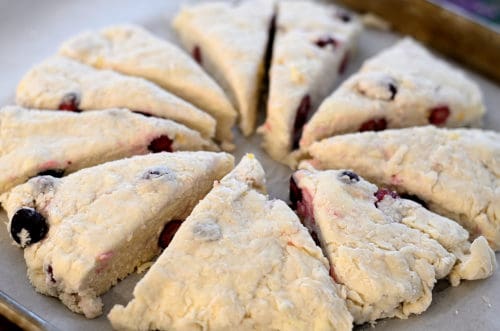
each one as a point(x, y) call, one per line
point(65, 84)
point(402, 86)
point(386, 251)
point(229, 41)
point(312, 45)
point(455, 172)
point(84, 232)
point(34, 143)
point(131, 50)
point(239, 262)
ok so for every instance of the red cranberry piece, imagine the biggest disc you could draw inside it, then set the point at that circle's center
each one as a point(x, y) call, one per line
point(57, 173)
point(439, 115)
point(161, 144)
point(168, 233)
point(29, 221)
point(300, 120)
point(70, 102)
point(343, 63)
point(295, 194)
point(197, 54)
point(325, 41)
point(376, 124)
point(382, 192)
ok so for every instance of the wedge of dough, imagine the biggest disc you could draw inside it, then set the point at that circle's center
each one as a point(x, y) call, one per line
point(239, 262)
point(229, 41)
point(132, 50)
point(456, 172)
point(312, 45)
point(387, 251)
point(84, 232)
point(34, 142)
point(402, 86)
point(63, 83)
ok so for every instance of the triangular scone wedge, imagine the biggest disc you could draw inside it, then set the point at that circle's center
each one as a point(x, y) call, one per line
point(456, 172)
point(388, 252)
point(63, 83)
point(86, 231)
point(239, 262)
point(34, 142)
point(311, 48)
point(229, 41)
point(131, 50)
point(403, 86)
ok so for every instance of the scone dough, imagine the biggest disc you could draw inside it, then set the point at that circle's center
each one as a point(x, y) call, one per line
point(229, 41)
point(456, 172)
point(105, 221)
point(59, 81)
point(386, 251)
point(132, 50)
point(312, 44)
point(402, 86)
point(34, 142)
point(240, 261)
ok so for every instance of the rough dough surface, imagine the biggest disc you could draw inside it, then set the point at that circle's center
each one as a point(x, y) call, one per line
point(230, 40)
point(402, 86)
point(132, 50)
point(105, 221)
point(239, 262)
point(58, 79)
point(33, 141)
point(386, 251)
point(456, 172)
point(311, 47)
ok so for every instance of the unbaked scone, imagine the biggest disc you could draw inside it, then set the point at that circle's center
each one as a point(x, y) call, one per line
point(311, 47)
point(131, 50)
point(55, 143)
point(456, 172)
point(402, 86)
point(65, 84)
point(229, 41)
point(387, 251)
point(83, 233)
point(239, 262)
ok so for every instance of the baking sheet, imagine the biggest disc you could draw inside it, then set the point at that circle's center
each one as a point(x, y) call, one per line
point(32, 30)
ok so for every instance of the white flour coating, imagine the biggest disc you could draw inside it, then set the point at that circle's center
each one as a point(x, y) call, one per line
point(132, 50)
point(231, 39)
point(422, 81)
point(301, 68)
point(388, 254)
point(105, 221)
point(239, 262)
point(455, 171)
point(49, 83)
point(33, 141)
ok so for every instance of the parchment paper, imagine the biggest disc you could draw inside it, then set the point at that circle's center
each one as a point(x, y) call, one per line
point(32, 30)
